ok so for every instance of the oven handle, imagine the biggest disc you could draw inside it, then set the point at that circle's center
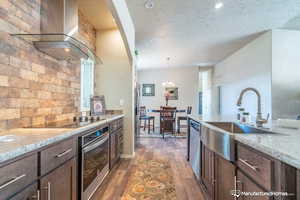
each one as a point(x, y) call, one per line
point(95, 144)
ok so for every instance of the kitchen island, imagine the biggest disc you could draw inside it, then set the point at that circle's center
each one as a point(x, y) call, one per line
point(259, 162)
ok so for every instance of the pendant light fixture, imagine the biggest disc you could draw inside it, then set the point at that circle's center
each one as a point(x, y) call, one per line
point(167, 84)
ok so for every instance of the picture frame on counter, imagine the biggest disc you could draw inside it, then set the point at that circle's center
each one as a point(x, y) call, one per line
point(98, 106)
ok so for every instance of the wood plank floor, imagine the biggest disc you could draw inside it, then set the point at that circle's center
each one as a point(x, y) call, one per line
point(172, 149)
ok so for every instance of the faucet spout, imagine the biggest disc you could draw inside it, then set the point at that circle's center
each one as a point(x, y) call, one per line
point(239, 102)
point(259, 120)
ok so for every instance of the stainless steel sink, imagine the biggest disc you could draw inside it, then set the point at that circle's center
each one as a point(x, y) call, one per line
point(237, 128)
point(221, 142)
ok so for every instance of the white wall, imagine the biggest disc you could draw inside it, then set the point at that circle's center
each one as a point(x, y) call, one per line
point(114, 79)
point(186, 79)
point(286, 73)
point(248, 67)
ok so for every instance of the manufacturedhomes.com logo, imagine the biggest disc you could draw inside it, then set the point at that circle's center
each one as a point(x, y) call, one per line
point(277, 195)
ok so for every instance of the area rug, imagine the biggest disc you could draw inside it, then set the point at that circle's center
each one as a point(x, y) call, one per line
point(150, 180)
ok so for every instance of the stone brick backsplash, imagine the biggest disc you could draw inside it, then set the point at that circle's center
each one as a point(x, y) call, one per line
point(87, 32)
point(35, 89)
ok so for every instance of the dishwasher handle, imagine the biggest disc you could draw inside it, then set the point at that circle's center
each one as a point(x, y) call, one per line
point(195, 125)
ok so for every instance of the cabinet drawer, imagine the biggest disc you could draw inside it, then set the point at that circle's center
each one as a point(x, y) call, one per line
point(57, 155)
point(29, 193)
point(255, 165)
point(17, 175)
point(115, 125)
point(244, 184)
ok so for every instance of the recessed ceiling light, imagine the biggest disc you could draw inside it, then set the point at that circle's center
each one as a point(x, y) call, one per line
point(219, 5)
point(149, 4)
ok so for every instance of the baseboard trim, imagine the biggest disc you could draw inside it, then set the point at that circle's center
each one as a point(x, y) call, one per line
point(128, 156)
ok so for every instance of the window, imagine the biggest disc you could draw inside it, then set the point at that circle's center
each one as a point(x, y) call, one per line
point(87, 84)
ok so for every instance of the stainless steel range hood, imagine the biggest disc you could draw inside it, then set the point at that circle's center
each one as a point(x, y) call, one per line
point(58, 35)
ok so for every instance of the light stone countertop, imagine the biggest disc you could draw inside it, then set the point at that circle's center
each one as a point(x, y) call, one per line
point(26, 140)
point(284, 145)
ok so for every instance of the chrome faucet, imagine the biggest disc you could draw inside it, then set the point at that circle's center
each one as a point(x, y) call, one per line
point(259, 120)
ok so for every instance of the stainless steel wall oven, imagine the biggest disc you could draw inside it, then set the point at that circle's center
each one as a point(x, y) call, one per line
point(93, 161)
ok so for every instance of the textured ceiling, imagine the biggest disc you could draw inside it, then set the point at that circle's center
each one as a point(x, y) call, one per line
point(193, 33)
point(97, 13)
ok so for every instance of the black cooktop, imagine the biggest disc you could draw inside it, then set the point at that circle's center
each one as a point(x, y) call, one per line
point(76, 122)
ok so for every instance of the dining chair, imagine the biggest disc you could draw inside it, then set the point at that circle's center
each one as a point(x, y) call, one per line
point(147, 119)
point(167, 120)
point(183, 119)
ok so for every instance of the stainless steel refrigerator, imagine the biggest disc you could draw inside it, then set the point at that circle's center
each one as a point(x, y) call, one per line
point(137, 113)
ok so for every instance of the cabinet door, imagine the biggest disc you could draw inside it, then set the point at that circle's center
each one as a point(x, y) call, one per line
point(60, 183)
point(207, 174)
point(244, 184)
point(224, 176)
point(118, 152)
point(113, 152)
point(120, 141)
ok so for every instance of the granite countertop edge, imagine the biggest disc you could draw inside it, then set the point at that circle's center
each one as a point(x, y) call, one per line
point(70, 132)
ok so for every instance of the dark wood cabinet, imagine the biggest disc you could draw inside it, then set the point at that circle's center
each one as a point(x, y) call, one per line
point(17, 175)
point(245, 184)
point(57, 154)
point(119, 143)
point(116, 141)
point(29, 193)
point(217, 176)
point(224, 179)
point(60, 183)
point(207, 174)
point(256, 165)
point(115, 147)
point(113, 142)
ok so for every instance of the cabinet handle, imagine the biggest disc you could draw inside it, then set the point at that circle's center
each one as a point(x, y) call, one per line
point(48, 188)
point(37, 196)
point(63, 153)
point(49, 191)
point(255, 168)
point(12, 181)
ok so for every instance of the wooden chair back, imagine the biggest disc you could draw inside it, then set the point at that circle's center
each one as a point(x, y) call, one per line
point(167, 119)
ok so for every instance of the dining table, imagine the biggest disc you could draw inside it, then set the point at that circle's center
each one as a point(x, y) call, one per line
point(158, 111)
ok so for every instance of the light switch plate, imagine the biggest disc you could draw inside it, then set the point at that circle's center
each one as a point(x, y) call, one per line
point(121, 102)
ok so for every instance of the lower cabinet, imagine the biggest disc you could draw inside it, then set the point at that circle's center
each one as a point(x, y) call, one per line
point(60, 184)
point(218, 176)
point(207, 174)
point(29, 193)
point(245, 184)
point(224, 179)
point(253, 173)
point(115, 146)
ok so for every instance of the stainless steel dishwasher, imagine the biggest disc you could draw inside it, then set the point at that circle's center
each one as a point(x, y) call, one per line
point(195, 147)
